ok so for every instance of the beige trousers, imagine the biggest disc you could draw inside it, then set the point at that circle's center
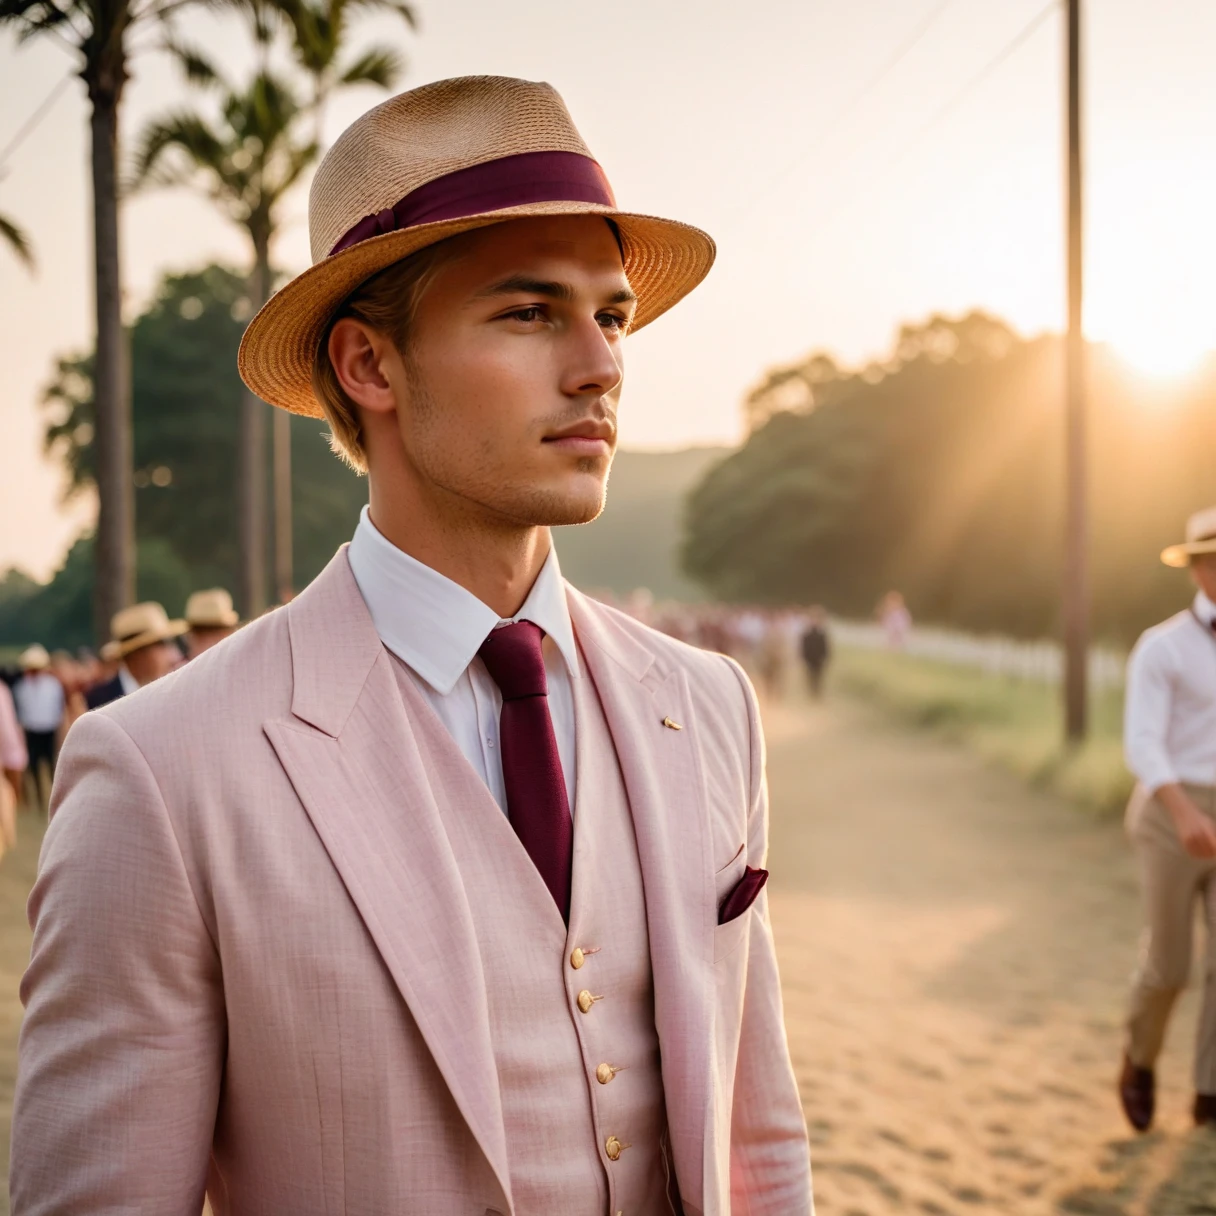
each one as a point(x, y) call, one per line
point(1173, 882)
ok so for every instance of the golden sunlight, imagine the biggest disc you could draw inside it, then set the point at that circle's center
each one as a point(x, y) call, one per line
point(1167, 338)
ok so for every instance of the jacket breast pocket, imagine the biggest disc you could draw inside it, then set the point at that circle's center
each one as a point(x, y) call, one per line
point(728, 937)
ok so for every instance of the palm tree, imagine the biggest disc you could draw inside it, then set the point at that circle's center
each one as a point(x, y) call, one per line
point(17, 241)
point(321, 30)
point(246, 160)
point(320, 35)
point(98, 33)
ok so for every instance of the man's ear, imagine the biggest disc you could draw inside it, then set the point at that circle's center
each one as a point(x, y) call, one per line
point(358, 354)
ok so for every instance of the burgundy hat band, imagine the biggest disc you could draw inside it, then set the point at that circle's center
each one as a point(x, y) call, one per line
point(510, 181)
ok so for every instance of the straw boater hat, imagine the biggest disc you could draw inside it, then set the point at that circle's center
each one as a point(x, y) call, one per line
point(211, 610)
point(139, 626)
point(1200, 538)
point(426, 165)
point(35, 658)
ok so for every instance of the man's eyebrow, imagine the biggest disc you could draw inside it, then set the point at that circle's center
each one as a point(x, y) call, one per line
point(523, 285)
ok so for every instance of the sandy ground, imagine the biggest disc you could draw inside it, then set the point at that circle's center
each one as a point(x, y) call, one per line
point(954, 952)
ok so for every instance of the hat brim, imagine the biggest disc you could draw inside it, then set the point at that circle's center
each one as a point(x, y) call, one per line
point(664, 261)
point(119, 650)
point(1180, 555)
point(228, 621)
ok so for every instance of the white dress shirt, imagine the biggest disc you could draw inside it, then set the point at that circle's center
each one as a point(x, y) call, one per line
point(1169, 721)
point(128, 682)
point(39, 698)
point(436, 627)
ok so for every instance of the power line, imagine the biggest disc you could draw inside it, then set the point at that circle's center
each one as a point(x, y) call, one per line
point(904, 49)
point(952, 103)
point(27, 128)
point(991, 66)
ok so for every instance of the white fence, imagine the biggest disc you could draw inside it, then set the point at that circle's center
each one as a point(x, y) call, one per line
point(1004, 656)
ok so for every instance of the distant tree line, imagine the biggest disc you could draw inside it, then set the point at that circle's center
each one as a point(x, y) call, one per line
point(939, 472)
point(187, 410)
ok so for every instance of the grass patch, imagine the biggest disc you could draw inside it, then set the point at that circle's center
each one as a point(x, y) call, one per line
point(1018, 724)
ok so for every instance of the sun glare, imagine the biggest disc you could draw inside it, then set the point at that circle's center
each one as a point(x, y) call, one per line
point(1165, 336)
point(1164, 353)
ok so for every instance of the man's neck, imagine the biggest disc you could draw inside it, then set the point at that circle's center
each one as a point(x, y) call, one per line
point(496, 563)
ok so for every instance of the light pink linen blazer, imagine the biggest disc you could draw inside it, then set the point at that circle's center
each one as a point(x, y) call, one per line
point(254, 969)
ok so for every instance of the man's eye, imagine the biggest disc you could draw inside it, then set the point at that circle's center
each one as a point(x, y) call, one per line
point(532, 313)
point(612, 320)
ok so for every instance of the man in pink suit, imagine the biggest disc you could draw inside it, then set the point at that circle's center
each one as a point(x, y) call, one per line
point(438, 890)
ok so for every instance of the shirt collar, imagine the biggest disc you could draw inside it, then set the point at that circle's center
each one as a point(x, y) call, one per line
point(434, 625)
point(128, 682)
point(1205, 609)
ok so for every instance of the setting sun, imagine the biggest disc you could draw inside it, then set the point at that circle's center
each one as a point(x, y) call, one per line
point(1163, 351)
point(1166, 334)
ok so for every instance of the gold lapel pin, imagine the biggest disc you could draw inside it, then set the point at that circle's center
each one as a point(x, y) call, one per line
point(667, 722)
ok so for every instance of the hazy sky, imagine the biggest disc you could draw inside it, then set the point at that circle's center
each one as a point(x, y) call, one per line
point(840, 209)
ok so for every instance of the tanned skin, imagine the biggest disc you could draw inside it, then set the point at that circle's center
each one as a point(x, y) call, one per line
point(498, 420)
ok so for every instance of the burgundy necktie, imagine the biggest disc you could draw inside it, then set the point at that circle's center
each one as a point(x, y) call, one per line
point(537, 805)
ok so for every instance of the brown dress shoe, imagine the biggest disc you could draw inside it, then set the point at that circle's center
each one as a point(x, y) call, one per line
point(1205, 1110)
point(1137, 1093)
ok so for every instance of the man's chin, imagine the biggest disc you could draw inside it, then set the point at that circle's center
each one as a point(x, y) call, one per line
point(552, 507)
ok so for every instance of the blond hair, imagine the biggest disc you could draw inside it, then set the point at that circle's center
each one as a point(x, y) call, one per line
point(388, 303)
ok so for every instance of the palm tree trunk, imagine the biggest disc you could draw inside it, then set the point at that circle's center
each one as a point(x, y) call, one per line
point(114, 585)
point(251, 469)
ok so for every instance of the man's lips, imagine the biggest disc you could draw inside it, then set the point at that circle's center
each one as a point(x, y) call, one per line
point(592, 438)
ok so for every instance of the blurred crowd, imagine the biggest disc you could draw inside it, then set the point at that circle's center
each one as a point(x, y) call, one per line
point(777, 647)
point(43, 693)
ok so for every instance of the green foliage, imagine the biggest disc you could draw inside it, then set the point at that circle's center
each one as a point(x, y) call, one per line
point(940, 473)
point(1017, 724)
point(60, 614)
point(248, 159)
point(320, 31)
point(634, 543)
point(187, 398)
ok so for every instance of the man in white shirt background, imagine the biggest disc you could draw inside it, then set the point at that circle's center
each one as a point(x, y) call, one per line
point(39, 699)
point(1170, 743)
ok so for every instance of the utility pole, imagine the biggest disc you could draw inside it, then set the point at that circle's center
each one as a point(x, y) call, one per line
point(1076, 537)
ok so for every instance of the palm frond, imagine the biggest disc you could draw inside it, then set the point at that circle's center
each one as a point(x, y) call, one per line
point(189, 133)
point(379, 65)
point(17, 241)
point(195, 65)
point(403, 10)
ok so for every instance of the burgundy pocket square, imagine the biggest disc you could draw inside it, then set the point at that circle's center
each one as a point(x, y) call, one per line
point(743, 895)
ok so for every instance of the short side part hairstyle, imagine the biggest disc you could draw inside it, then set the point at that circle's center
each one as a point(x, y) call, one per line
point(386, 302)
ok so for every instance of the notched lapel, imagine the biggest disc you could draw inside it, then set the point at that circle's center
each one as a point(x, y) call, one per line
point(663, 776)
point(365, 786)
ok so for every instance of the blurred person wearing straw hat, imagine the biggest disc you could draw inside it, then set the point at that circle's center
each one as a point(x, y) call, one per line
point(1170, 744)
point(40, 702)
point(211, 618)
point(456, 875)
point(14, 759)
point(142, 643)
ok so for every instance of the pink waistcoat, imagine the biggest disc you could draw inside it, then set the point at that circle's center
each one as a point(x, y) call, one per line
point(571, 1011)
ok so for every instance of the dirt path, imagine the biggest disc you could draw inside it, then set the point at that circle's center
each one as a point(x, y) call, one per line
point(954, 952)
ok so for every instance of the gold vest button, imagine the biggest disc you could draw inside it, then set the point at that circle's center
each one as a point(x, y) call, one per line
point(604, 1073)
point(612, 1146)
point(577, 957)
point(585, 1001)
